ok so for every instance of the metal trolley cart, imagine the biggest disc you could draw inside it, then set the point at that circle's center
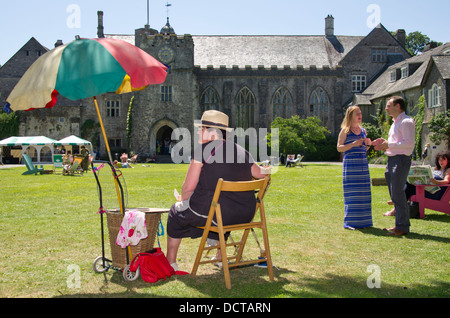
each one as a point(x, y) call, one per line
point(121, 257)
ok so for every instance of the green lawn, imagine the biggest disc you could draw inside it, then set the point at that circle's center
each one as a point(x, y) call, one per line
point(51, 232)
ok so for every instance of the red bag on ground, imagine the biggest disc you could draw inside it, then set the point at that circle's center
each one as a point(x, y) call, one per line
point(153, 266)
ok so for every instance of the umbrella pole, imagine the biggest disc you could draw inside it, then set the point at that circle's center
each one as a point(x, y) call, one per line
point(109, 154)
point(122, 212)
point(103, 130)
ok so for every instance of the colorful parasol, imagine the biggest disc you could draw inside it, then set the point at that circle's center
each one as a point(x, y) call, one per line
point(86, 68)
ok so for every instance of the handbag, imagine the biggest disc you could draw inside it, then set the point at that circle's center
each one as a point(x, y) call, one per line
point(414, 212)
point(153, 266)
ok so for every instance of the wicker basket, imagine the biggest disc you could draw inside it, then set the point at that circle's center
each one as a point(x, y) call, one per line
point(114, 221)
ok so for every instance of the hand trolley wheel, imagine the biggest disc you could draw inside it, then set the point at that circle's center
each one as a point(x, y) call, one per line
point(130, 276)
point(98, 264)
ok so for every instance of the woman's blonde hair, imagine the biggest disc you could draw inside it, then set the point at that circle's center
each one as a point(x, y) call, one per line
point(347, 122)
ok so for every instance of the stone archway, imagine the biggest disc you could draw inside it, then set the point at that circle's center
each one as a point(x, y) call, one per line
point(159, 132)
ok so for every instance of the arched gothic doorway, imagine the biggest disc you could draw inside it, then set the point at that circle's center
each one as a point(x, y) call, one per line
point(163, 140)
point(160, 137)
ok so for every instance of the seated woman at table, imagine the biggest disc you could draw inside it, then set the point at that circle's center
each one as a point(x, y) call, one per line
point(441, 175)
point(215, 157)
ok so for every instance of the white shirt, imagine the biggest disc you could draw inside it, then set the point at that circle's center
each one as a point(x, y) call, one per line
point(402, 134)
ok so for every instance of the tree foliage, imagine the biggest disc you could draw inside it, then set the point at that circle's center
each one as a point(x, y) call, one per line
point(9, 124)
point(299, 136)
point(416, 42)
point(130, 122)
point(419, 108)
point(439, 127)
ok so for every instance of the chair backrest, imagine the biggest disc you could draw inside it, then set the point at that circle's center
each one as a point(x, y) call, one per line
point(77, 159)
point(241, 186)
point(298, 160)
point(260, 185)
point(58, 160)
point(133, 159)
point(28, 162)
point(75, 165)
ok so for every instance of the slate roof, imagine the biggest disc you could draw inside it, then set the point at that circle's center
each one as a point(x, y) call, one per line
point(130, 38)
point(267, 50)
point(443, 64)
point(17, 65)
point(271, 50)
point(361, 99)
point(382, 86)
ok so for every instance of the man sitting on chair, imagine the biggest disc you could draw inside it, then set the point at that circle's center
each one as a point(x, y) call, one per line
point(209, 163)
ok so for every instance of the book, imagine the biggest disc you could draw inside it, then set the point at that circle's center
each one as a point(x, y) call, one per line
point(422, 175)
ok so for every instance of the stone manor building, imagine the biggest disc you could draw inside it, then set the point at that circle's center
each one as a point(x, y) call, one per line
point(253, 79)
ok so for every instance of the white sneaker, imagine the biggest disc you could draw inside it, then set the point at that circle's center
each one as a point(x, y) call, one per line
point(218, 264)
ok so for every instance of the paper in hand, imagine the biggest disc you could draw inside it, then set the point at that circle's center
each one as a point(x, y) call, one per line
point(176, 194)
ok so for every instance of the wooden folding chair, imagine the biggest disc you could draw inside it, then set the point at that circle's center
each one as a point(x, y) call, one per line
point(442, 205)
point(215, 210)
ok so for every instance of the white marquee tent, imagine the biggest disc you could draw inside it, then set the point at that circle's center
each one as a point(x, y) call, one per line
point(75, 141)
point(43, 146)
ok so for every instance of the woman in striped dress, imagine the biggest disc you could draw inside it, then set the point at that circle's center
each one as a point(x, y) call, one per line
point(353, 142)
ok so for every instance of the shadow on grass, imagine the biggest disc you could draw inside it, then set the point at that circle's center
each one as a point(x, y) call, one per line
point(437, 217)
point(412, 235)
point(248, 283)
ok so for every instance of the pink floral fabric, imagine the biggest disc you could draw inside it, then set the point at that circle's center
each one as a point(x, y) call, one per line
point(133, 229)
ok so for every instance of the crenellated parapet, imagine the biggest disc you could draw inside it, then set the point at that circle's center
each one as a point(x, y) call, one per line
point(273, 70)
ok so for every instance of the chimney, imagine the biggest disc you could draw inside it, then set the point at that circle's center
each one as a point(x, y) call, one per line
point(100, 33)
point(431, 45)
point(329, 26)
point(400, 36)
point(58, 43)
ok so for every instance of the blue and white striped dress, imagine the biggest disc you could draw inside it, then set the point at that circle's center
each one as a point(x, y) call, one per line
point(356, 183)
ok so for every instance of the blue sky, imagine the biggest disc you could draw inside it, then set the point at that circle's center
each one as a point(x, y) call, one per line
point(50, 20)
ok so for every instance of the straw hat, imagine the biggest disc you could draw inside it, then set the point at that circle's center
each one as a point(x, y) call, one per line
point(213, 119)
